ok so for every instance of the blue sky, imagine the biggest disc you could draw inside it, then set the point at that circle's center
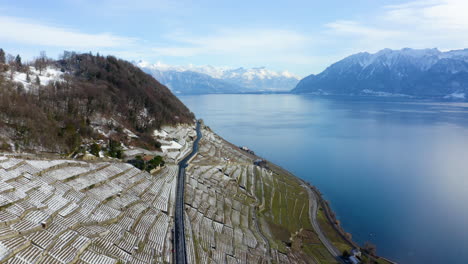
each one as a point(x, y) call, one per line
point(300, 36)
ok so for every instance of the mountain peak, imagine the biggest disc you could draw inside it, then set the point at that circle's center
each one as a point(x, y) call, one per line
point(412, 72)
point(246, 79)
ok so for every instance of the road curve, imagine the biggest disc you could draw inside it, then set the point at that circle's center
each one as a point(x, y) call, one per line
point(313, 207)
point(180, 255)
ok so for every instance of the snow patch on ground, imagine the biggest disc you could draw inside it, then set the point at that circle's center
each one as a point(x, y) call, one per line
point(160, 133)
point(176, 142)
point(50, 74)
point(130, 133)
point(172, 145)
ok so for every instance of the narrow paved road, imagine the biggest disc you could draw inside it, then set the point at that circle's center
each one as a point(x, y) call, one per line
point(179, 227)
point(313, 207)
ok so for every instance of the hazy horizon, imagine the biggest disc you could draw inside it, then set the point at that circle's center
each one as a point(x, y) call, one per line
point(302, 37)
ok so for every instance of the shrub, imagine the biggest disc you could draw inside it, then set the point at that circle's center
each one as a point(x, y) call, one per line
point(95, 149)
point(115, 149)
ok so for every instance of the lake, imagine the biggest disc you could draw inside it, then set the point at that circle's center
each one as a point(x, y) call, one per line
point(395, 172)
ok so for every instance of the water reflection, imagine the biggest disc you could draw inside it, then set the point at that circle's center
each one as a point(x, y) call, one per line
point(397, 170)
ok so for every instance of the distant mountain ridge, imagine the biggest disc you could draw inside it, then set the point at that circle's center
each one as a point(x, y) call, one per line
point(189, 82)
point(407, 72)
point(208, 79)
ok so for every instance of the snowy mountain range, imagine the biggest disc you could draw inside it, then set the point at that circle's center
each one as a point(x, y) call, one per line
point(193, 79)
point(406, 72)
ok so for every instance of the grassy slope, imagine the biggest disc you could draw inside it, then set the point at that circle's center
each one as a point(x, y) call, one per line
point(286, 211)
point(330, 232)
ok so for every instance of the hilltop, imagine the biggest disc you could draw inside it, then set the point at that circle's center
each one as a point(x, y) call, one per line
point(81, 98)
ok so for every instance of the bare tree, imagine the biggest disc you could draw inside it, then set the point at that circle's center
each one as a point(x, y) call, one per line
point(41, 62)
point(10, 59)
point(370, 248)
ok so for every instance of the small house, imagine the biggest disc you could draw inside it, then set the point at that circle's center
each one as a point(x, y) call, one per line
point(355, 252)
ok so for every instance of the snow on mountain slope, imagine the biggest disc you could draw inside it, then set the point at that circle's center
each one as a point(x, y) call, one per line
point(253, 79)
point(189, 82)
point(215, 72)
point(423, 58)
point(419, 73)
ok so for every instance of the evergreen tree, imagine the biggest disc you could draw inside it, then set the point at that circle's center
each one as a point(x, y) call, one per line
point(18, 62)
point(2, 56)
point(38, 81)
point(115, 149)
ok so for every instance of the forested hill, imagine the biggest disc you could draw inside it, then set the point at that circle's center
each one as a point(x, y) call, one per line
point(56, 105)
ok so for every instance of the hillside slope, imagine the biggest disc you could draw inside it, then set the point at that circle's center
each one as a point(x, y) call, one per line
point(90, 91)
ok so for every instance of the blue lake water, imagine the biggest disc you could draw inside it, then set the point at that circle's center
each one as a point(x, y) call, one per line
point(396, 172)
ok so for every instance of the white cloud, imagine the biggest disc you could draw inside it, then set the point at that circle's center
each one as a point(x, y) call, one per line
point(260, 45)
point(175, 51)
point(354, 28)
point(417, 24)
point(119, 8)
point(439, 15)
point(32, 33)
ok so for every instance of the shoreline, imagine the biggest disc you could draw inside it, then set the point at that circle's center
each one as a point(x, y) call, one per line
point(319, 200)
point(328, 212)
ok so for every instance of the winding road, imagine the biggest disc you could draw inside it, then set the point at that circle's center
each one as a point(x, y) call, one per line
point(313, 219)
point(179, 225)
point(180, 255)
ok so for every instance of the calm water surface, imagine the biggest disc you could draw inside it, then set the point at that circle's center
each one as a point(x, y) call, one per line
point(396, 173)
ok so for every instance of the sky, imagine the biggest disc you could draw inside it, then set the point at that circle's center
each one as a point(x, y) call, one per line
point(302, 37)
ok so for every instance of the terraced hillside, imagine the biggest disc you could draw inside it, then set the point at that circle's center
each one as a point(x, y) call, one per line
point(70, 211)
point(240, 213)
point(76, 212)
